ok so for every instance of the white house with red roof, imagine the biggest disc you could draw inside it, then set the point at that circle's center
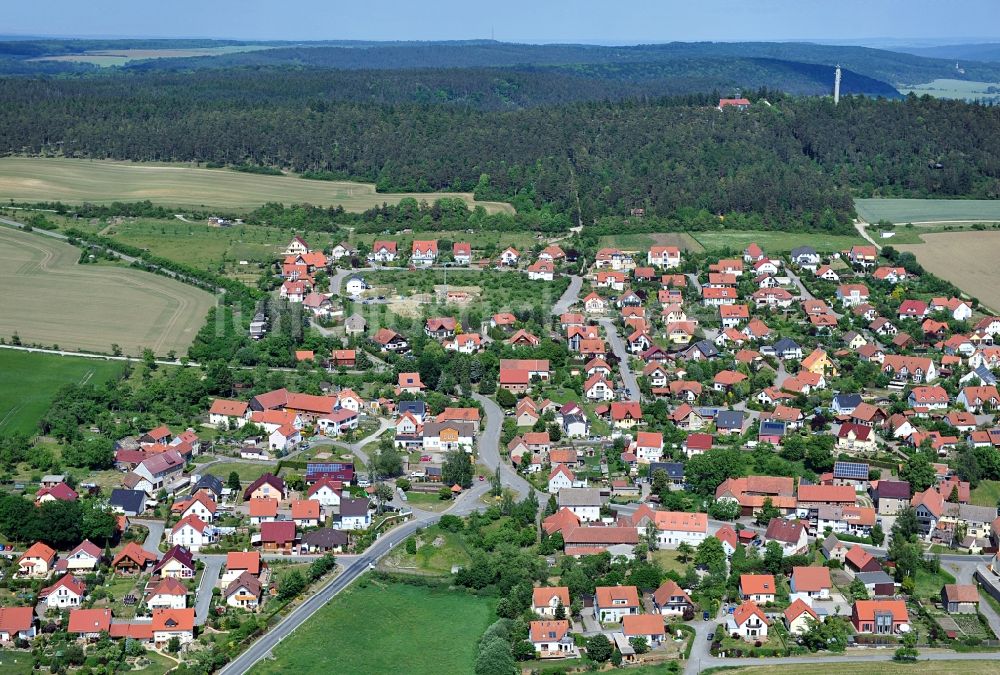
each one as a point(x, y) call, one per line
point(37, 561)
point(85, 557)
point(561, 478)
point(224, 413)
point(68, 591)
point(327, 492)
point(192, 533)
point(284, 438)
point(664, 256)
point(748, 621)
point(648, 446)
point(423, 253)
point(383, 251)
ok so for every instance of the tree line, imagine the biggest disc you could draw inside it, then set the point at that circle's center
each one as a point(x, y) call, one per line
point(797, 162)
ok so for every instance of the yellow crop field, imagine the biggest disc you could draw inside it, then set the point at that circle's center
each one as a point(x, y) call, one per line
point(48, 298)
point(74, 181)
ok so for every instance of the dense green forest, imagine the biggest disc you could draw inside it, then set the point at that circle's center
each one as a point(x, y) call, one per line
point(790, 160)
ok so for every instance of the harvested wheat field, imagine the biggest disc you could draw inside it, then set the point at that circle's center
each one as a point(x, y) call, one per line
point(966, 259)
point(74, 181)
point(50, 299)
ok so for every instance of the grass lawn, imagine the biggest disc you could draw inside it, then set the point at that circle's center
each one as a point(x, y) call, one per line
point(205, 247)
point(436, 553)
point(428, 501)
point(14, 662)
point(986, 494)
point(386, 629)
point(248, 472)
point(157, 664)
point(29, 381)
point(775, 242)
point(929, 585)
point(669, 560)
point(872, 668)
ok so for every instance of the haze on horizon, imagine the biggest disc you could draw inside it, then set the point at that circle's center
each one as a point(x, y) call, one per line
point(597, 21)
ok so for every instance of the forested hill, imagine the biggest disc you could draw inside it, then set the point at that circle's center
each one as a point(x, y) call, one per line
point(788, 160)
point(887, 66)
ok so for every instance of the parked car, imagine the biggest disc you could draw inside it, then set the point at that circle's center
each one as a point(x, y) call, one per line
point(482, 477)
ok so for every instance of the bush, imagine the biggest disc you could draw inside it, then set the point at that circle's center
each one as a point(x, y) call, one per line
point(411, 545)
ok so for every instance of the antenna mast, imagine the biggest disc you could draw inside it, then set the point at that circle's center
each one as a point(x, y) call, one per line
point(836, 86)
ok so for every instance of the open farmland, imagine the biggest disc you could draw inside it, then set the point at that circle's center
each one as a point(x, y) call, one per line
point(119, 57)
point(919, 211)
point(74, 181)
point(373, 628)
point(966, 259)
point(49, 299)
point(642, 242)
point(774, 241)
point(28, 381)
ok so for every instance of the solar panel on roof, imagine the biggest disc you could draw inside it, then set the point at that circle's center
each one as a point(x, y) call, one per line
point(854, 470)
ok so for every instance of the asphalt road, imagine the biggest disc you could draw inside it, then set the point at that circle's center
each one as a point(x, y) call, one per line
point(210, 576)
point(468, 502)
point(570, 297)
point(155, 527)
point(618, 347)
point(357, 565)
point(489, 448)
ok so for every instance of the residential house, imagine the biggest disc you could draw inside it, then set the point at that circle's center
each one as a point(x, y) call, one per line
point(798, 617)
point(268, 486)
point(68, 591)
point(551, 639)
point(748, 621)
point(790, 534)
point(811, 581)
point(612, 603)
point(192, 533)
point(177, 562)
point(860, 560)
point(278, 536)
point(646, 626)
point(132, 560)
point(890, 496)
point(169, 593)
point(172, 623)
point(244, 591)
point(881, 617)
point(758, 587)
point(676, 527)
point(547, 599)
point(355, 514)
point(88, 624)
point(17, 623)
point(36, 562)
point(584, 503)
point(671, 600)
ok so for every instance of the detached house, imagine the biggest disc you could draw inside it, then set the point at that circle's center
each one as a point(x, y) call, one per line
point(423, 253)
point(612, 603)
point(671, 600)
point(37, 561)
point(68, 591)
point(757, 587)
point(748, 621)
point(547, 599)
point(551, 639)
point(881, 617)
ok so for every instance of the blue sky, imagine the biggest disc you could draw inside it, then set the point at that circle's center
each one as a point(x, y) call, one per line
point(608, 21)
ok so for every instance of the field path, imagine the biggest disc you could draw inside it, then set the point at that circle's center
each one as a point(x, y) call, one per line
point(862, 228)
